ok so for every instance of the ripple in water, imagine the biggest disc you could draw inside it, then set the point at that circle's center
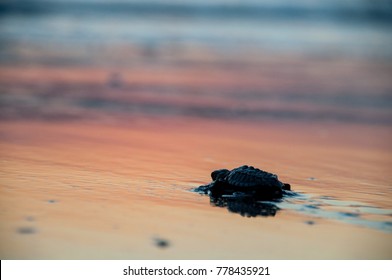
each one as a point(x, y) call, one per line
point(351, 212)
point(325, 207)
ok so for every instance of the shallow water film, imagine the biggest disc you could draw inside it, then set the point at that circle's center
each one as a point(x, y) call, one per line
point(111, 115)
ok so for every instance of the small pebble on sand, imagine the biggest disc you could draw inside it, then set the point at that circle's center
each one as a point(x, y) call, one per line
point(26, 230)
point(161, 243)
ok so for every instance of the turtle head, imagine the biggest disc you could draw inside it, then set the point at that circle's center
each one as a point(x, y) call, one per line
point(219, 174)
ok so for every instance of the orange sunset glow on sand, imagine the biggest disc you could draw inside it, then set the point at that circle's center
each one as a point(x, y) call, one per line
point(101, 146)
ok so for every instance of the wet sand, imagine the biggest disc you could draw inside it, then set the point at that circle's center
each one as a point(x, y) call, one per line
point(99, 155)
point(89, 190)
point(109, 117)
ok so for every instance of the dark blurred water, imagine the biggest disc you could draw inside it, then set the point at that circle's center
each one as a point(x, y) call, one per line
point(347, 27)
point(304, 60)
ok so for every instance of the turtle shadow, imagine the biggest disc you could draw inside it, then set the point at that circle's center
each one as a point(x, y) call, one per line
point(245, 204)
point(246, 207)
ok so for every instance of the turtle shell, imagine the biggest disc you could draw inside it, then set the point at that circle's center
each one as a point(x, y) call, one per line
point(249, 177)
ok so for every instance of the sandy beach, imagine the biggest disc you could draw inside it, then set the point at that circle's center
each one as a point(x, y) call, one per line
point(110, 118)
point(95, 191)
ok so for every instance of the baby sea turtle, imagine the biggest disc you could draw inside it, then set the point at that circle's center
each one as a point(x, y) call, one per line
point(244, 182)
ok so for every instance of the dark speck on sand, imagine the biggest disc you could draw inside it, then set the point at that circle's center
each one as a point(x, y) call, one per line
point(26, 230)
point(161, 243)
point(311, 206)
point(348, 214)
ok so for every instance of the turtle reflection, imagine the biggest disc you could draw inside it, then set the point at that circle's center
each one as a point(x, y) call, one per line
point(246, 207)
